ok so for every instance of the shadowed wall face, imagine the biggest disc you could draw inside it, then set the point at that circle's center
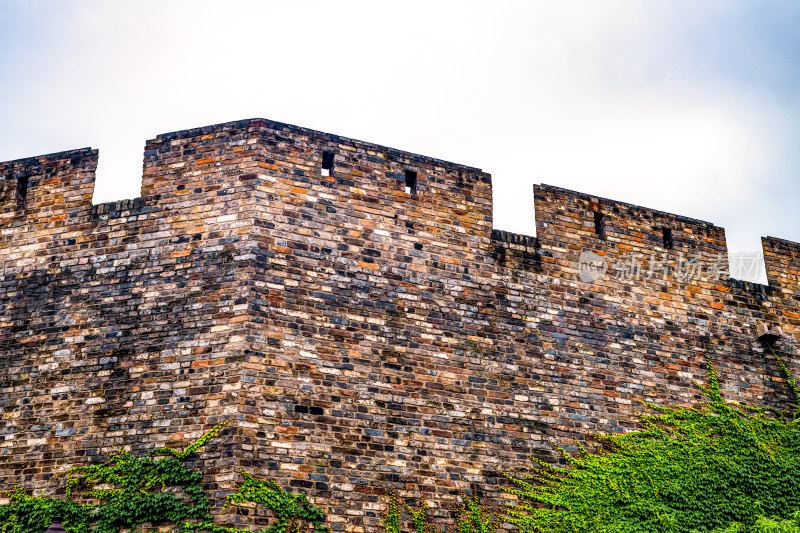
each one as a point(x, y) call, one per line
point(360, 335)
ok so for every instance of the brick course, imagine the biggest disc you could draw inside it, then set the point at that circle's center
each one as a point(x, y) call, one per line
point(359, 337)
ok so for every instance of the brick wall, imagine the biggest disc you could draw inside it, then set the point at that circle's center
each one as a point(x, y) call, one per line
point(357, 336)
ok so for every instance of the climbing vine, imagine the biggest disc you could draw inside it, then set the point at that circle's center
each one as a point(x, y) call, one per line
point(763, 525)
point(471, 516)
point(790, 379)
point(292, 513)
point(474, 516)
point(716, 467)
point(129, 491)
point(157, 489)
point(420, 518)
point(720, 467)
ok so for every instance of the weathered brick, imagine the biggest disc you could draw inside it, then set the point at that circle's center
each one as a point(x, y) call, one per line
point(357, 337)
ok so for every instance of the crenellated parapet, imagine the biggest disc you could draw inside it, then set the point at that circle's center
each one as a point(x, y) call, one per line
point(48, 186)
point(52, 193)
point(351, 310)
point(782, 260)
point(41, 196)
point(577, 222)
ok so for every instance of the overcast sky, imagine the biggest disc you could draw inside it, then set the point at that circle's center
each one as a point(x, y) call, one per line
point(683, 106)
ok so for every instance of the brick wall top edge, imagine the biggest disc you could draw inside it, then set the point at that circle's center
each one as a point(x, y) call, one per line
point(514, 238)
point(602, 200)
point(36, 159)
point(750, 286)
point(784, 243)
point(262, 122)
point(129, 204)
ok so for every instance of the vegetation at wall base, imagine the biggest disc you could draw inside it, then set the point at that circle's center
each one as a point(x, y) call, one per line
point(763, 525)
point(291, 513)
point(716, 467)
point(720, 467)
point(471, 516)
point(157, 490)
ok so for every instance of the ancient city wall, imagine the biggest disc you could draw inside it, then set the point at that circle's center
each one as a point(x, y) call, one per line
point(358, 336)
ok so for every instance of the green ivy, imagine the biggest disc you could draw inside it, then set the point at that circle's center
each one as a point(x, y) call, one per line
point(420, 518)
point(702, 469)
point(35, 514)
point(763, 525)
point(471, 516)
point(391, 518)
point(790, 379)
point(474, 516)
point(157, 489)
point(721, 467)
point(292, 513)
point(129, 491)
